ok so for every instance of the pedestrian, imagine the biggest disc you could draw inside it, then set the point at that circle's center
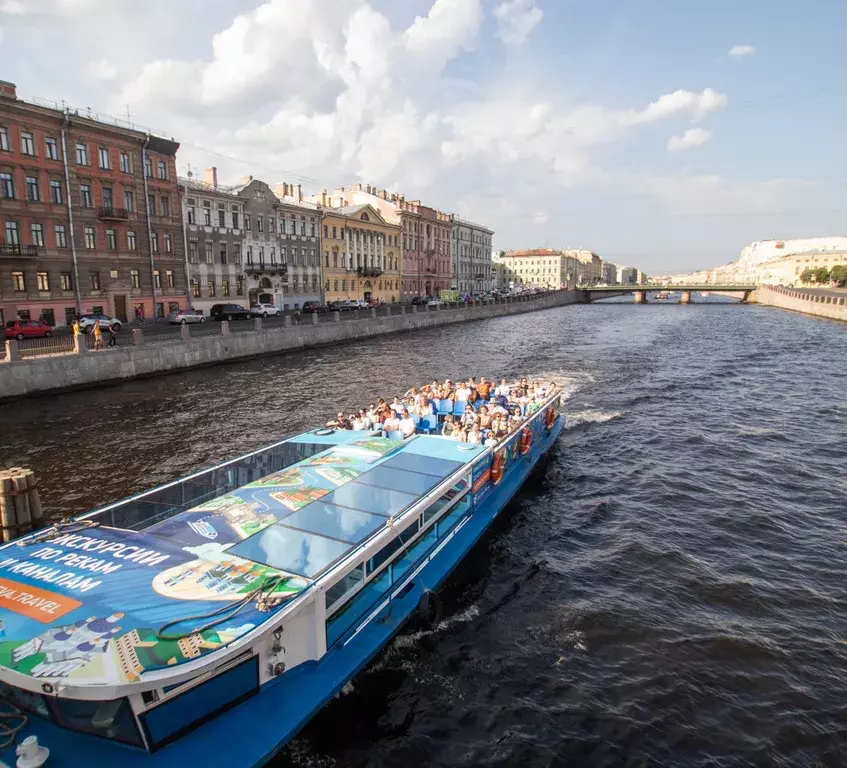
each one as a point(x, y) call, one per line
point(113, 333)
point(98, 335)
point(297, 316)
point(76, 329)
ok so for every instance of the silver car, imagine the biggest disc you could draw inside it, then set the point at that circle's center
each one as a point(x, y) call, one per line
point(184, 316)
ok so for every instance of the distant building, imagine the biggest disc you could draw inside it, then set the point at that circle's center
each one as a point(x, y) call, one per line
point(590, 270)
point(538, 268)
point(627, 275)
point(787, 270)
point(608, 272)
point(471, 252)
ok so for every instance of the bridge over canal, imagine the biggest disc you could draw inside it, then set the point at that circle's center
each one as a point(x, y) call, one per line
point(589, 293)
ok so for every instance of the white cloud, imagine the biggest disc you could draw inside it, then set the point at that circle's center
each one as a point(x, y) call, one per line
point(12, 7)
point(693, 137)
point(516, 19)
point(540, 217)
point(102, 70)
point(698, 104)
point(741, 50)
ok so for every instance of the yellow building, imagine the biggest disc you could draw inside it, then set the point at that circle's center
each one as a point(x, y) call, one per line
point(361, 254)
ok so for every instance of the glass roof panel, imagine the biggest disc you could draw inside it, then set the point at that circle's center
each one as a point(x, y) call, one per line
point(297, 552)
point(351, 525)
point(370, 499)
point(416, 463)
point(399, 480)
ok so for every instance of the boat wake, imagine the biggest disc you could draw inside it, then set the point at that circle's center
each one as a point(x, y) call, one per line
point(590, 416)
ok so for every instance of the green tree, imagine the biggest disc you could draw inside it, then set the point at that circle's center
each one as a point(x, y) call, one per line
point(807, 275)
point(838, 275)
point(822, 275)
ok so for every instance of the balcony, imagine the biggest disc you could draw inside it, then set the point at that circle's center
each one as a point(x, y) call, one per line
point(25, 251)
point(429, 271)
point(263, 267)
point(113, 214)
point(369, 271)
point(480, 276)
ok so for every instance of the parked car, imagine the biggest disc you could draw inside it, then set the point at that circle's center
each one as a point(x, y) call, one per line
point(183, 316)
point(27, 329)
point(361, 304)
point(312, 307)
point(420, 300)
point(263, 310)
point(86, 322)
point(229, 312)
point(434, 302)
point(342, 306)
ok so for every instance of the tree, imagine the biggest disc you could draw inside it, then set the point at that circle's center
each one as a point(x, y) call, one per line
point(838, 275)
point(821, 275)
point(807, 275)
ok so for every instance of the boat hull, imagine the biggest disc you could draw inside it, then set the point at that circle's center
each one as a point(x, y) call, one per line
point(253, 731)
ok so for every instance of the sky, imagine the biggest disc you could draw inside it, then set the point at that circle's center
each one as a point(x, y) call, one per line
point(662, 134)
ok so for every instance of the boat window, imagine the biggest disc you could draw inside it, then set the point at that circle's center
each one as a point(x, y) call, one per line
point(110, 719)
point(400, 480)
point(25, 700)
point(380, 501)
point(351, 525)
point(350, 582)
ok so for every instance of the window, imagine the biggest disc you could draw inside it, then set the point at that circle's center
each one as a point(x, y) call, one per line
point(103, 155)
point(193, 257)
point(43, 281)
point(234, 220)
point(94, 278)
point(111, 240)
point(260, 223)
point(163, 170)
point(207, 217)
point(210, 285)
point(19, 282)
point(326, 231)
point(66, 281)
point(4, 139)
point(27, 143)
point(154, 242)
point(32, 188)
point(169, 278)
point(302, 225)
point(81, 154)
point(157, 280)
point(135, 278)
point(61, 237)
point(221, 218)
point(85, 195)
point(239, 285)
point(236, 253)
point(90, 239)
point(334, 236)
point(124, 160)
point(223, 253)
point(151, 205)
point(271, 224)
point(148, 167)
point(273, 255)
point(130, 240)
point(108, 197)
point(326, 258)
point(313, 227)
point(129, 202)
point(51, 149)
point(224, 287)
point(247, 224)
point(249, 254)
point(168, 245)
point(56, 192)
point(7, 185)
point(37, 235)
point(195, 288)
point(209, 259)
point(166, 206)
point(192, 214)
point(335, 285)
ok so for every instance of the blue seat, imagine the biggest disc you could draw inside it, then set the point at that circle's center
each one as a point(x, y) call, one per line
point(459, 407)
point(396, 435)
point(430, 423)
point(445, 407)
point(416, 419)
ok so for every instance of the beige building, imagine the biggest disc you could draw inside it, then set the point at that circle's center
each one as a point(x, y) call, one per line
point(590, 269)
point(538, 268)
point(787, 270)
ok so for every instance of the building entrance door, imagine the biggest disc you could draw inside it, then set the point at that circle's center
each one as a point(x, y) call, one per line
point(120, 308)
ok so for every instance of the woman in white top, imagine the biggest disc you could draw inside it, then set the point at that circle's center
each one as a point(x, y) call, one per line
point(475, 436)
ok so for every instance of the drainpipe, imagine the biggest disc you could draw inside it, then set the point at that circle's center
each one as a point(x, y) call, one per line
point(149, 227)
point(65, 125)
point(182, 206)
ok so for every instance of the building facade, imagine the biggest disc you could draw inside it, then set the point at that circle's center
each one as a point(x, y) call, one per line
point(214, 233)
point(538, 268)
point(90, 218)
point(299, 234)
point(361, 255)
point(471, 255)
point(627, 275)
point(608, 272)
point(590, 266)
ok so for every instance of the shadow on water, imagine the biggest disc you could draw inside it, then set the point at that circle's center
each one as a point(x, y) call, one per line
point(669, 593)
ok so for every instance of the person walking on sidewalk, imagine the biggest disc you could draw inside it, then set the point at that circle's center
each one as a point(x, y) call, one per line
point(98, 335)
point(113, 333)
point(76, 328)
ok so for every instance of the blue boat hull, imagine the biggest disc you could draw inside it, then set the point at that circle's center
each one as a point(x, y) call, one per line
point(252, 732)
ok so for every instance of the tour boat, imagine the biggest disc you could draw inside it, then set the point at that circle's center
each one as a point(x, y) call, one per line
point(206, 621)
point(662, 296)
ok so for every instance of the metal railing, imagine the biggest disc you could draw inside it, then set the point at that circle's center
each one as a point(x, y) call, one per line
point(50, 345)
point(18, 250)
point(118, 214)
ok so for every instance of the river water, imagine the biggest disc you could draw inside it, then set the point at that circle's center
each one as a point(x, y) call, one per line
point(672, 592)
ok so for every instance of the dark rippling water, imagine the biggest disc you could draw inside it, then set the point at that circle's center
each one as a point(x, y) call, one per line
point(671, 593)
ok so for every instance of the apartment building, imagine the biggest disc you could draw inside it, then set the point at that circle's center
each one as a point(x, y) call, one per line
point(538, 268)
point(471, 255)
point(90, 217)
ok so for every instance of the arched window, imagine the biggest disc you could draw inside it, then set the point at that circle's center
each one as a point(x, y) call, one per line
point(364, 217)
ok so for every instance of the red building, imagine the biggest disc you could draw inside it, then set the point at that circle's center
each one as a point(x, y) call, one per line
point(90, 216)
point(427, 264)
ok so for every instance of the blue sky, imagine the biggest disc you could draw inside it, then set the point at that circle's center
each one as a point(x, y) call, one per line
point(626, 127)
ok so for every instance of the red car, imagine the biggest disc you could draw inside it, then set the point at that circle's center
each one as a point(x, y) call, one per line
point(27, 329)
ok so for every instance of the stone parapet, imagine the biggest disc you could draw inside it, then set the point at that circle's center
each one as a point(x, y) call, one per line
point(833, 307)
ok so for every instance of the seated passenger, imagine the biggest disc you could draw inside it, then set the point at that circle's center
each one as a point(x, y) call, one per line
point(425, 407)
point(391, 424)
point(474, 435)
point(469, 417)
point(407, 425)
point(483, 388)
point(447, 427)
point(397, 406)
point(463, 391)
point(504, 388)
point(484, 418)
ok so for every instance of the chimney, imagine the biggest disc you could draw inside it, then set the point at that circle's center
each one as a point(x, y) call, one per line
point(246, 179)
point(210, 177)
point(323, 198)
point(299, 196)
point(8, 90)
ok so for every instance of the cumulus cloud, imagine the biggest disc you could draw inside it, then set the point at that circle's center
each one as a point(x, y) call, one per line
point(741, 50)
point(516, 19)
point(693, 137)
point(102, 70)
point(697, 104)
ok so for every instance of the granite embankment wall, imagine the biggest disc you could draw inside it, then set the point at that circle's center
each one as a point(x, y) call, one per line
point(798, 300)
point(84, 369)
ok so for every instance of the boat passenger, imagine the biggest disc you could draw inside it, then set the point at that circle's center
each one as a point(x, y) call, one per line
point(447, 427)
point(483, 388)
point(463, 391)
point(469, 417)
point(396, 405)
point(474, 435)
point(425, 407)
point(484, 418)
point(504, 389)
point(407, 425)
point(391, 423)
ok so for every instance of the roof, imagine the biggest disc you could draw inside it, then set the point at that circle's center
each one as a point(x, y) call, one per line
point(87, 604)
